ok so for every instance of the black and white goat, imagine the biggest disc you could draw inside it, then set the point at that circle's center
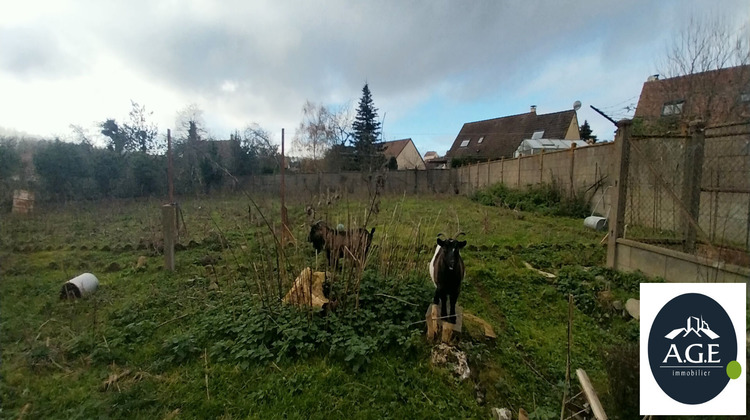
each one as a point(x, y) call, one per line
point(447, 272)
point(338, 243)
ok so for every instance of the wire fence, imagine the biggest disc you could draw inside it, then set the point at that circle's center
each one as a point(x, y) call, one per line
point(691, 192)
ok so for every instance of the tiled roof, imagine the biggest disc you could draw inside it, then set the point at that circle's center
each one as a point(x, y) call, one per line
point(715, 96)
point(394, 148)
point(500, 137)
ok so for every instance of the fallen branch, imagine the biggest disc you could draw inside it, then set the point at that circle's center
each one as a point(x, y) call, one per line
point(23, 411)
point(205, 365)
point(544, 273)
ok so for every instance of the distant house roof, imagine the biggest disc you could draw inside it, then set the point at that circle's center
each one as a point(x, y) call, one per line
point(394, 148)
point(405, 152)
point(500, 137)
point(431, 155)
point(718, 96)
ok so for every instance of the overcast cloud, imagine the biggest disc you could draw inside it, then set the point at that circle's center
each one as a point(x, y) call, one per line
point(431, 65)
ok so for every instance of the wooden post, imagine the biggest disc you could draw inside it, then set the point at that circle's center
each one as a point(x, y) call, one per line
point(567, 362)
point(170, 166)
point(168, 219)
point(622, 160)
point(691, 183)
point(284, 220)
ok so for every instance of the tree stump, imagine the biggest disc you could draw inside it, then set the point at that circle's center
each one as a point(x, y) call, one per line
point(436, 325)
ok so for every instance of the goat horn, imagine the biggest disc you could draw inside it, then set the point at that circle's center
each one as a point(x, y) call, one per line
point(459, 234)
point(440, 234)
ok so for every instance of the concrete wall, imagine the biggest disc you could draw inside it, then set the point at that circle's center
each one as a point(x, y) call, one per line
point(675, 266)
point(305, 186)
point(574, 170)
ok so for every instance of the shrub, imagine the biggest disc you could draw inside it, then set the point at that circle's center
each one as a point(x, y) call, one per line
point(256, 334)
point(623, 372)
point(547, 199)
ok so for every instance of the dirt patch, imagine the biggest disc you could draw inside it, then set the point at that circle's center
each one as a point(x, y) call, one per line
point(113, 267)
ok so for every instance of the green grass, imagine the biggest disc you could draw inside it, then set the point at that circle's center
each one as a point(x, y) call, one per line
point(172, 330)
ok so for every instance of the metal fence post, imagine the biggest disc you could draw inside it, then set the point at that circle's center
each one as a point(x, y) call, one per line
point(691, 183)
point(622, 160)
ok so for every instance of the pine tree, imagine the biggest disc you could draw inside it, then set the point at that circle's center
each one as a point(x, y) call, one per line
point(585, 131)
point(366, 132)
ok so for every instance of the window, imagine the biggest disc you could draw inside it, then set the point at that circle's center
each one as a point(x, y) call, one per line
point(672, 108)
point(745, 97)
point(537, 135)
point(481, 139)
point(465, 143)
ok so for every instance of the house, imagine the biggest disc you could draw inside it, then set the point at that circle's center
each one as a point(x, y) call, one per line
point(432, 160)
point(404, 152)
point(500, 137)
point(535, 146)
point(717, 97)
point(430, 155)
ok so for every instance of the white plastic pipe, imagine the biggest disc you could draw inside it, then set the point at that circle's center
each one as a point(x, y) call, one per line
point(80, 286)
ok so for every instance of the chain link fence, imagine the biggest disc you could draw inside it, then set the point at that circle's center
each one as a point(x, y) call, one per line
point(691, 193)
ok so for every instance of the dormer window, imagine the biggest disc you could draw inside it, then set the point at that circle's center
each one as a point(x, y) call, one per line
point(481, 139)
point(672, 108)
point(465, 143)
point(537, 135)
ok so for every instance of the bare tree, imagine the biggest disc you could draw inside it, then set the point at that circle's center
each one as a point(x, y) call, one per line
point(190, 124)
point(80, 134)
point(141, 133)
point(322, 128)
point(262, 152)
point(716, 58)
point(315, 133)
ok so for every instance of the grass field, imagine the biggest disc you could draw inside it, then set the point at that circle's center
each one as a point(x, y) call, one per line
point(211, 340)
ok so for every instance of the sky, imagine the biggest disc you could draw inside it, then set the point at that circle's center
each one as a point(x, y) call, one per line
point(431, 65)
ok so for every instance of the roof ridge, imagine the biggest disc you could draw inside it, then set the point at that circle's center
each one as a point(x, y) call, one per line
point(518, 115)
point(702, 73)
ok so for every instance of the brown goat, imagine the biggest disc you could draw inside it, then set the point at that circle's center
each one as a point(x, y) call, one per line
point(353, 243)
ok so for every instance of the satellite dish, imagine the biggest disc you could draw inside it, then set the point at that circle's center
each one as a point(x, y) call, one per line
point(576, 105)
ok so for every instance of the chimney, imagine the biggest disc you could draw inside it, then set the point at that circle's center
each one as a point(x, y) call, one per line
point(533, 109)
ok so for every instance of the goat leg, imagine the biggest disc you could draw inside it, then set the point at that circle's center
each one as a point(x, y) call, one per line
point(454, 297)
point(436, 297)
point(443, 303)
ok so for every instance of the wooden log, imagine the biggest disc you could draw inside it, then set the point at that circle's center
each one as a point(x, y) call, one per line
point(590, 393)
point(431, 316)
point(446, 334)
point(489, 332)
point(522, 414)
